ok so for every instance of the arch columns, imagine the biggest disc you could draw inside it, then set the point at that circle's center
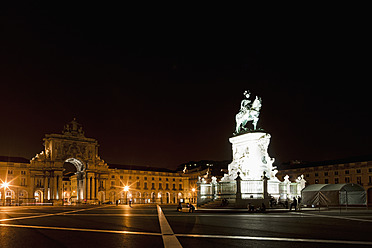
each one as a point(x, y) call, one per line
point(91, 186)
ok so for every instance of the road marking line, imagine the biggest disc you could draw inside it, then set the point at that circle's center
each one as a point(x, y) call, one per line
point(47, 215)
point(119, 215)
point(334, 217)
point(121, 209)
point(241, 215)
point(23, 213)
point(194, 215)
point(356, 242)
point(169, 239)
point(80, 229)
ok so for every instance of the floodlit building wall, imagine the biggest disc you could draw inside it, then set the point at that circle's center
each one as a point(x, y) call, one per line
point(358, 173)
point(15, 174)
point(144, 187)
point(147, 187)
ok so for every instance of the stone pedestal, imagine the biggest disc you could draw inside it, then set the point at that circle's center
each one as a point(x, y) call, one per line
point(250, 157)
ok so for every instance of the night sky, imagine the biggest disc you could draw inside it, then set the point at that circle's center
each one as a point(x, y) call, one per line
point(160, 90)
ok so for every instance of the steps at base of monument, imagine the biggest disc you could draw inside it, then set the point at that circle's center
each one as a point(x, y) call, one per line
point(218, 204)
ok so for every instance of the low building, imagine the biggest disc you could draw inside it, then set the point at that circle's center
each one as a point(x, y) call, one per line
point(69, 170)
point(147, 185)
point(14, 171)
point(357, 170)
point(203, 169)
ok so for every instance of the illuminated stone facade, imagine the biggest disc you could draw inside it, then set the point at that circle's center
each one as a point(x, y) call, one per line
point(69, 170)
point(250, 157)
point(356, 170)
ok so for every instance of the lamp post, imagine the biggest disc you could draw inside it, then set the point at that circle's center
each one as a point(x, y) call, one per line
point(193, 195)
point(4, 185)
point(126, 189)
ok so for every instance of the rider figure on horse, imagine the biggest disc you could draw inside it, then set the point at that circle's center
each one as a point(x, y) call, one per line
point(248, 112)
point(245, 105)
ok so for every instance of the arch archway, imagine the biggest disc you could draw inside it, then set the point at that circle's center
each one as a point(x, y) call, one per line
point(73, 171)
point(168, 197)
point(180, 197)
point(112, 196)
point(38, 196)
point(101, 196)
point(137, 197)
point(22, 196)
point(9, 196)
point(79, 165)
point(122, 197)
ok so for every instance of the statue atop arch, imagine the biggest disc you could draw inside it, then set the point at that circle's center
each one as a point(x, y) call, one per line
point(248, 112)
point(73, 128)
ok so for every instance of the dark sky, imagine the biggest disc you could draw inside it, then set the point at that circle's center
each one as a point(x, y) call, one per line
point(158, 89)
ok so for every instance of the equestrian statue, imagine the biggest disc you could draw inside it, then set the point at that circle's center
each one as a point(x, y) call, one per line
point(248, 112)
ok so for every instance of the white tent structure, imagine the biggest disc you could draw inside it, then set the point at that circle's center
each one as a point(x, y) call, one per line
point(334, 194)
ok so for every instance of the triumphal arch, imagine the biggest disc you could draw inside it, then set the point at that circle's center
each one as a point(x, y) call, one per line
point(70, 156)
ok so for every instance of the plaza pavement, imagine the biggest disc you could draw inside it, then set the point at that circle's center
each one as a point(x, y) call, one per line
point(162, 226)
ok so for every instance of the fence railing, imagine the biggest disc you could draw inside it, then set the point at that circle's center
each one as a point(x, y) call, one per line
point(248, 189)
point(226, 188)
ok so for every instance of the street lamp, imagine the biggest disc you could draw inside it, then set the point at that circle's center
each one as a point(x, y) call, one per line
point(193, 194)
point(5, 185)
point(126, 189)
